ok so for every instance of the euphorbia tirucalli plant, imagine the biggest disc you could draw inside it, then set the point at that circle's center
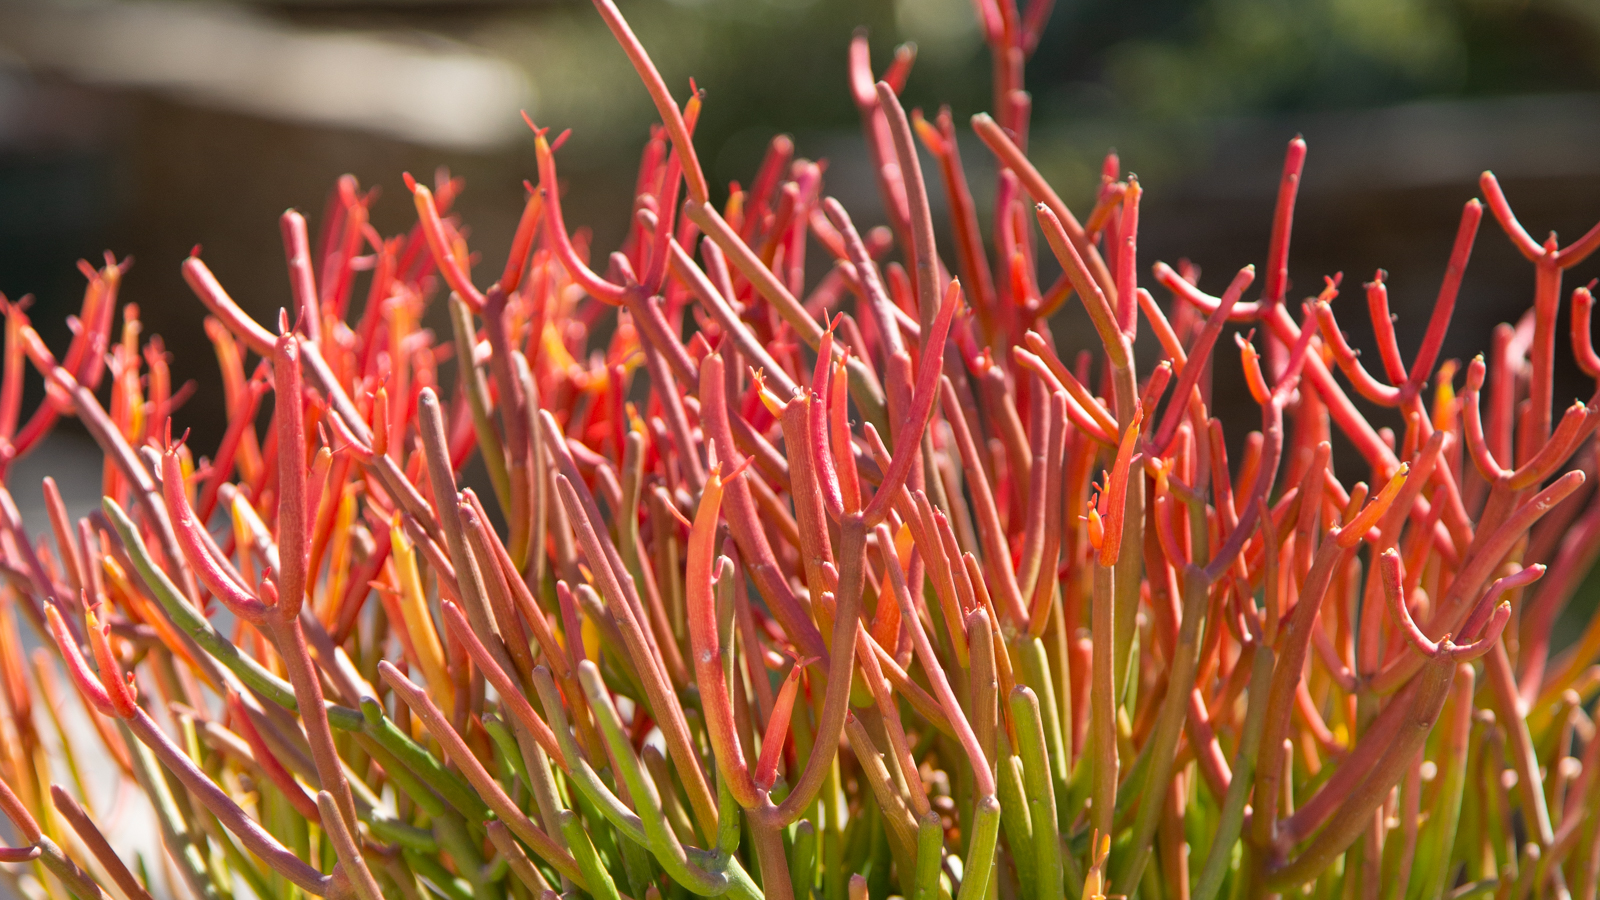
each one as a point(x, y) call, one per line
point(850, 589)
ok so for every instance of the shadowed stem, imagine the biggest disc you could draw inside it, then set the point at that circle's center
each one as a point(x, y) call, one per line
point(841, 666)
point(1163, 742)
point(485, 785)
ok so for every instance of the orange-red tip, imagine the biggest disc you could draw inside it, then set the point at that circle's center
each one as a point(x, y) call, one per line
point(738, 470)
point(1097, 530)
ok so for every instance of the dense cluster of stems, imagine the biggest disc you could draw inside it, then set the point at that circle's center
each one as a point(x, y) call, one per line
point(850, 588)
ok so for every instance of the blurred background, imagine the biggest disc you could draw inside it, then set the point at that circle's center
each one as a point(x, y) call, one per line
point(145, 127)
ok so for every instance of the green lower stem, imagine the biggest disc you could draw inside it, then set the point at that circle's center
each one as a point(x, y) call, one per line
point(1034, 668)
point(1014, 818)
point(1164, 741)
point(803, 866)
point(978, 873)
point(1102, 703)
point(1439, 832)
point(601, 887)
point(1041, 799)
point(1231, 821)
point(450, 785)
point(930, 854)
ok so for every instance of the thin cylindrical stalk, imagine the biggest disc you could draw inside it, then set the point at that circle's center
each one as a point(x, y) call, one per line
point(291, 643)
point(1041, 793)
point(359, 876)
point(1102, 703)
point(745, 525)
point(937, 677)
point(864, 388)
point(1231, 820)
point(1163, 741)
point(930, 854)
point(663, 701)
point(1439, 835)
point(485, 785)
point(1293, 644)
point(469, 578)
point(836, 699)
point(706, 645)
point(663, 844)
point(96, 842)
point(600, 883)
point(256, 839)
point(924, 258)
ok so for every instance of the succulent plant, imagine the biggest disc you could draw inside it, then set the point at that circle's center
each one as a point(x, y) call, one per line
point(847, 590)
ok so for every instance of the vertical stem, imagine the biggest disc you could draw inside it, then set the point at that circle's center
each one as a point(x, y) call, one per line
point(803, 870)
point(1014, 818)
point(1041, 794)
point(476, 389)
point(1503, 690)
point(1130, 561)
point(359, 876)
point(776, 883)
point(930, 854)
point(1541, 383)
point(291, 642)
point(469, 578)
point(924, 257)
point(1440, 838)
point(1164, 740)
point(1103, 702)
point(983, 685)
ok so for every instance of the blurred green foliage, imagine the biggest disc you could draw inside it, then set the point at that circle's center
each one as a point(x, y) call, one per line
point(1144, 74)
point(1174, 59)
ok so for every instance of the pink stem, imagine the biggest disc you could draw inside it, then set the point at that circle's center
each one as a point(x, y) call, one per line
point(1455, 270)
point(665, 105)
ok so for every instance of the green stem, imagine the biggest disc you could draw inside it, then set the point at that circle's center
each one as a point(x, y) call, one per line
point(1102, 702)
point(476, 388)
point(1152, 791)
point(1015, 820)
point(978, 873)
point(930, 853)
point(449, 785)
point(578, 768)
point(192, 623)
point(1040, 792)
point(1439, 839)
point(601, 887)
point(663, 844)
point(803, 864)
point(1231, 820)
